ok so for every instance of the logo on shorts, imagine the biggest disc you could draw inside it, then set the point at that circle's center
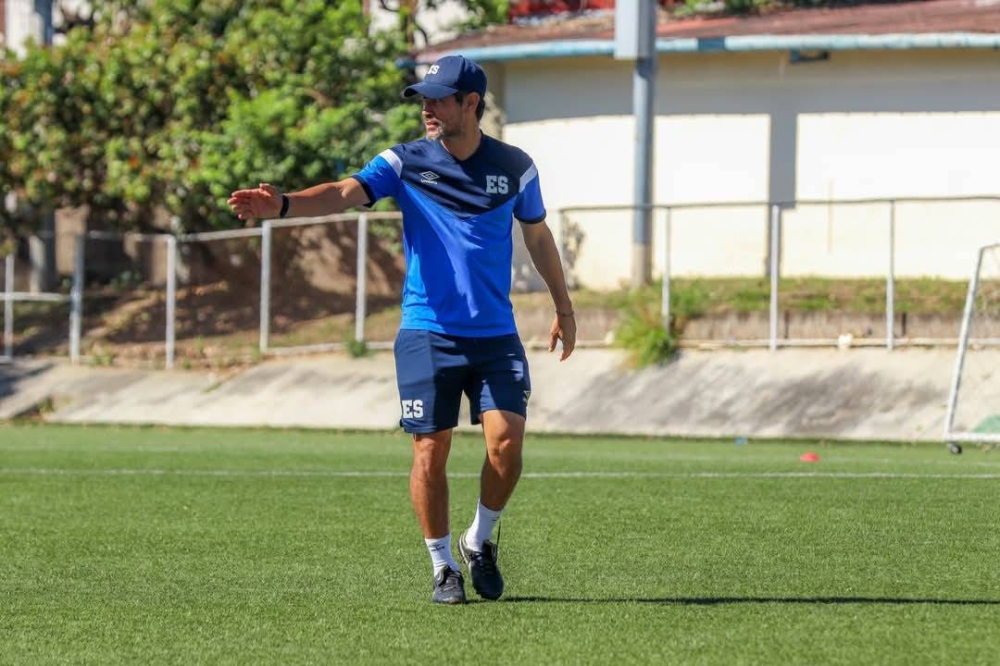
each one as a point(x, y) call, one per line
point(413, 409)
point(527, 395)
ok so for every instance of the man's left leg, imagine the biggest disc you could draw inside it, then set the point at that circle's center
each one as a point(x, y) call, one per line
point(504, 433)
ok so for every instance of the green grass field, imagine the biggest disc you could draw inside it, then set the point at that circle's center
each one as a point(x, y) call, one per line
point(148, 545)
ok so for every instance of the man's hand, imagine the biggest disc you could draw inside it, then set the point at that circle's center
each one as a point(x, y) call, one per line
point(261, 204)
point(563, 328)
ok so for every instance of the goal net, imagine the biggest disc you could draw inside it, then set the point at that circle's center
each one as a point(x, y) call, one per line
point(974, 400)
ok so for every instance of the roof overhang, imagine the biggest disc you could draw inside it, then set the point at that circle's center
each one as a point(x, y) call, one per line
point(576, 48)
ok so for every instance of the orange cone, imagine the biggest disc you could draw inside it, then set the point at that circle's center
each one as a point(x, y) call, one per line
point(809, 456)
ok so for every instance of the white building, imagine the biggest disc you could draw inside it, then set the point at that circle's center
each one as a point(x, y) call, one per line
point(809, 105)
point(21, 20)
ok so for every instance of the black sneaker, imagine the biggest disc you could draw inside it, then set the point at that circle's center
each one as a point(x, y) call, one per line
point(486, 578)
point(449, 587)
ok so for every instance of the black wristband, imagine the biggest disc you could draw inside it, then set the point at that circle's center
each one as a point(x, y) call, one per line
point(284, 205)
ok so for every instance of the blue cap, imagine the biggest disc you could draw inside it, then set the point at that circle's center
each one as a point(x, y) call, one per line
point(449, 75)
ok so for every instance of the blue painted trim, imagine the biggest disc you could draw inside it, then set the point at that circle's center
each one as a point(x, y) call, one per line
point(575, 48)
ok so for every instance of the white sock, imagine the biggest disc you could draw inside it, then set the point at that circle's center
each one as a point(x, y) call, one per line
point(440, 550)
point(482, 527)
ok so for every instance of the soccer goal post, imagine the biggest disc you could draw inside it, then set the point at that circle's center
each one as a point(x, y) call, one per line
point(974, 400)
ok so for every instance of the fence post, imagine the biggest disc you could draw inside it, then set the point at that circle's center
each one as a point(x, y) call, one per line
point(265, 287)
point(76, 298)
point(362, 290)
point(665, 292)
point(8, 308)
point(890, 286)
point(171, 299)
point(775, 252)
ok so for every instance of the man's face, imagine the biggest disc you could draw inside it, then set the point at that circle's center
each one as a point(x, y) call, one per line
point(442, 117)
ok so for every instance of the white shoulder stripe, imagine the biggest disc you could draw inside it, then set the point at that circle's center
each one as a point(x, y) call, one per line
point(393, 160)
point(528, 176)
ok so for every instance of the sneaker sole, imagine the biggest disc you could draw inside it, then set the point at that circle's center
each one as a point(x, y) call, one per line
point(449, 602)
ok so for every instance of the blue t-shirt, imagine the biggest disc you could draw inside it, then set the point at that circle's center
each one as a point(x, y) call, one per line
point(457, 223)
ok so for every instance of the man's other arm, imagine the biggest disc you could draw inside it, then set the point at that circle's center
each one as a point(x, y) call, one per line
point(545, 256)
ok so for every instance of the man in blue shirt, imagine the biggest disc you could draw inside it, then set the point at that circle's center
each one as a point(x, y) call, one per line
point(459, 191)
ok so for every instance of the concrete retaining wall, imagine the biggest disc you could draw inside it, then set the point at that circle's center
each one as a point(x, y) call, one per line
point(852, 394)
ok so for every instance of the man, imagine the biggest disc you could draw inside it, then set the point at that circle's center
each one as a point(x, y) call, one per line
point(459, 191)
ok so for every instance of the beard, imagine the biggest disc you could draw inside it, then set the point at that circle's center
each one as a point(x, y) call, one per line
point(443, 131)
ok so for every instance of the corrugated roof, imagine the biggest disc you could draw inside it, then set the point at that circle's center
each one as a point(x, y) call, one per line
point(917, 18)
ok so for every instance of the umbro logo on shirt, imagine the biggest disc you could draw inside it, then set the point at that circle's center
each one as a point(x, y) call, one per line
point(429, 177)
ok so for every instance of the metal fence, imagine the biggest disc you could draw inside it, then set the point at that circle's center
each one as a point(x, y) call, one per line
point(11, 297)
point(778, 240)
point(275, 235)
point(256, 285)
point(221, 283)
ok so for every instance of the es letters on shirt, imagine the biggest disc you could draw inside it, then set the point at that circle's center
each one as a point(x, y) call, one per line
point(497, 185)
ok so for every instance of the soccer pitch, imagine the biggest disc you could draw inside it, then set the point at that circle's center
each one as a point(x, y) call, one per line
point(155, 545)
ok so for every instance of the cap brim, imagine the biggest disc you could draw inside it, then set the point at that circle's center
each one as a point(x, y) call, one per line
point(429, 90)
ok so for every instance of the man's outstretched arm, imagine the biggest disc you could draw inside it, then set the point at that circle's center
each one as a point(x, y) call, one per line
point(265, 201)
point(545, 256)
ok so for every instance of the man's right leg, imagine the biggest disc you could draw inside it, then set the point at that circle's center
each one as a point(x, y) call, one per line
point(429, 482)
point(430, 376)
point(429, 493)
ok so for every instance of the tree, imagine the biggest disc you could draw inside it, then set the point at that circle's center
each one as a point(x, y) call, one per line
point(176, 103)
point(173, 104)
point(8, 73)
point(310, 96)
point(411, 14)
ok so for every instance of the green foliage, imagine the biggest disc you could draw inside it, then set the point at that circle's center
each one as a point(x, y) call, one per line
point(358, 349)
point(641, 330)
point(410, 15)
point(481, 12)
point(100, 356)
point(743, 6)
point(688, 300)
point(696, 297)
point(79, 120)
point(176, 104)
point(750, 6)
point(8, 73)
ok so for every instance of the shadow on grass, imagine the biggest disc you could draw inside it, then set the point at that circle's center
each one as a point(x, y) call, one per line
point(723, 601)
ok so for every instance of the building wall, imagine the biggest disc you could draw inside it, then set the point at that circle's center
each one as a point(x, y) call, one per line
point(752, 127)
point(26, 19)
point(21, 22)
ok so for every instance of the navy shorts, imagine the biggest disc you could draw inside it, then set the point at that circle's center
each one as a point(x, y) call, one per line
point(434, 370)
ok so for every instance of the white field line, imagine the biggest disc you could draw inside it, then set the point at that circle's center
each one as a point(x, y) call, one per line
point(38, 471)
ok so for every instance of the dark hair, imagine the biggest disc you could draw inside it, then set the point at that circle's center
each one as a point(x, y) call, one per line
point(480, 108)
